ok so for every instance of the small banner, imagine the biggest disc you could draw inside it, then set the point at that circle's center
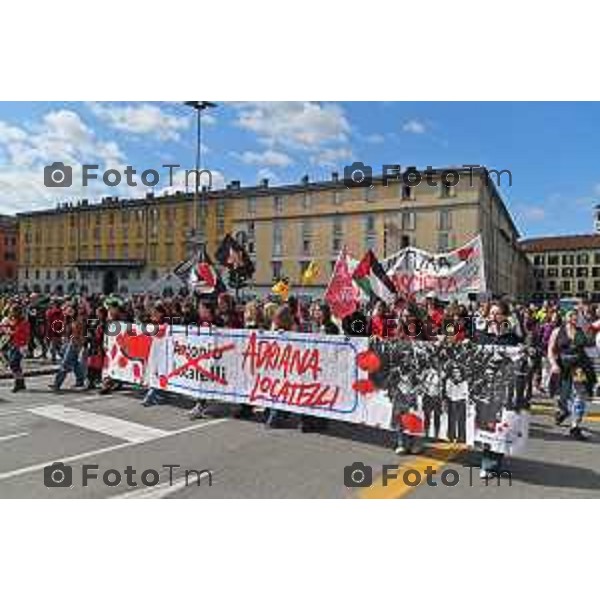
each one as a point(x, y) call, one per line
point(454, 274)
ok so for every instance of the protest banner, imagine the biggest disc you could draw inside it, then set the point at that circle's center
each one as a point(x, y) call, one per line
point(342, 293)
point(313, 374)
point(449, 275)
point(465, 392)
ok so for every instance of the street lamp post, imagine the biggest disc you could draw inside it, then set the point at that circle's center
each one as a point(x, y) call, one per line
point(198, 106)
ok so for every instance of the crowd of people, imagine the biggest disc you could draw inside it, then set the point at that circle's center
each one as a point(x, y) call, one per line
point(70, 331)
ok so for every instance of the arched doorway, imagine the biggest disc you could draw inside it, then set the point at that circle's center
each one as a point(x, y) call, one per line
point(109, 283)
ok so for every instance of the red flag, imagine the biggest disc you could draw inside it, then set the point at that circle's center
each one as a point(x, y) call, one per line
point(342, 295)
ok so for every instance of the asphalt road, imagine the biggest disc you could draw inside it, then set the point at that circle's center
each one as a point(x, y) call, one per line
point(241, 459)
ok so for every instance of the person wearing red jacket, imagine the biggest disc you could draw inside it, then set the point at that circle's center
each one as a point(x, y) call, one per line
point(19, 332)
point(55, 327)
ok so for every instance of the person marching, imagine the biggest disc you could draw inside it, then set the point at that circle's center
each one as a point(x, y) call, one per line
point(18, 329)
point(568, 360)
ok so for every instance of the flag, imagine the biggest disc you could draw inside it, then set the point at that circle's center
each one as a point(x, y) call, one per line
point(311, 273)
point(342, 294)
point(281, 288)
point(183, 269)
point(203, 277)
point(233, 255)
point(372, 279)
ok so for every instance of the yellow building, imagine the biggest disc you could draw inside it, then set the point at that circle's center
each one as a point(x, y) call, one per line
point(133, 245)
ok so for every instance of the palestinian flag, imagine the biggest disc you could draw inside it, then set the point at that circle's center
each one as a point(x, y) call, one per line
point(233, 255)
point(203, 278)
point(372, 279)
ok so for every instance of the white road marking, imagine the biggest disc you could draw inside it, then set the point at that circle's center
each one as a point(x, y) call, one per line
point(13, 436)
point(162, 490)
point(90, 453)
point(23, 408)
point(118, 428)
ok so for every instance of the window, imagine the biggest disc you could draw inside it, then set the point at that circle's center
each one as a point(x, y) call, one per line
point(338, 230)
point(408, 220)
point(446, 191)
point(581, 285)
point(597, 258)
point(303, 266)
point(538, 273)
point(368, 194)
point(154, 274)
point(251, 205)
point(582, 271)
point(553, 260)
point(370, 224)
point(595, 271)
point(538, 260)
point(336, 245)
point(277, 238)
point(276, 265)
point(445, 223)
point(566, 286)
point(406, 192)
point(597, 286)
point(443, 241)
point(583, 259)
point(278, 205)
point(124, 275)
point(405, 241)
point(552, 272)
point(338, 197)
point(306, 201)
point(568, 259)
point(153, 252)
point(567, 272)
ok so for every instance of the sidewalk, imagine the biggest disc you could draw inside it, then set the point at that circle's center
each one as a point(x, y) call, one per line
point(31, 367)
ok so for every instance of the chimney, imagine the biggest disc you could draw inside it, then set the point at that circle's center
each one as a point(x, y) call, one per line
point(235, 184)
point(305, 180)
point(264, 183)
point(149, 195)
point(334, 176)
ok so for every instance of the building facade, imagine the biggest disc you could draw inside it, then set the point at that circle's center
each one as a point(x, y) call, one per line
point(133, 245)
point(8, 252)
point(565, 266)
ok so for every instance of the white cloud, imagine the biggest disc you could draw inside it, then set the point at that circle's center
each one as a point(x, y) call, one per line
point(144, 119)
point(268, 158)
point(533, 213)
point(332, 157)
point(181, 183)
point(375, 138)
point(294, 124)
point(414, 126)
point(60, 136)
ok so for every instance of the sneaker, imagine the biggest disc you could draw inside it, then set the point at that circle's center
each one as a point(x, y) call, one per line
point(400, 450)
point(484, 474)
point(53, 387)
point(577, 434)
point(79, 384)
point(18, 386)
point(560, 417)
point(196, 413)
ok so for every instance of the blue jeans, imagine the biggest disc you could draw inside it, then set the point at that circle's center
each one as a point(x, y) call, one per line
point(14, 358)
point(154, 396)
point(70, 362)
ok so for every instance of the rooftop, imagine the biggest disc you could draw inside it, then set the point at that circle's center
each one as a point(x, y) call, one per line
point(562, 243)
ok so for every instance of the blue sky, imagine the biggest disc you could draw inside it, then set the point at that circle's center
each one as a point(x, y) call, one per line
point(552, 148)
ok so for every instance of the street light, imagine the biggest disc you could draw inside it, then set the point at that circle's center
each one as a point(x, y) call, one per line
point(198, 106)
